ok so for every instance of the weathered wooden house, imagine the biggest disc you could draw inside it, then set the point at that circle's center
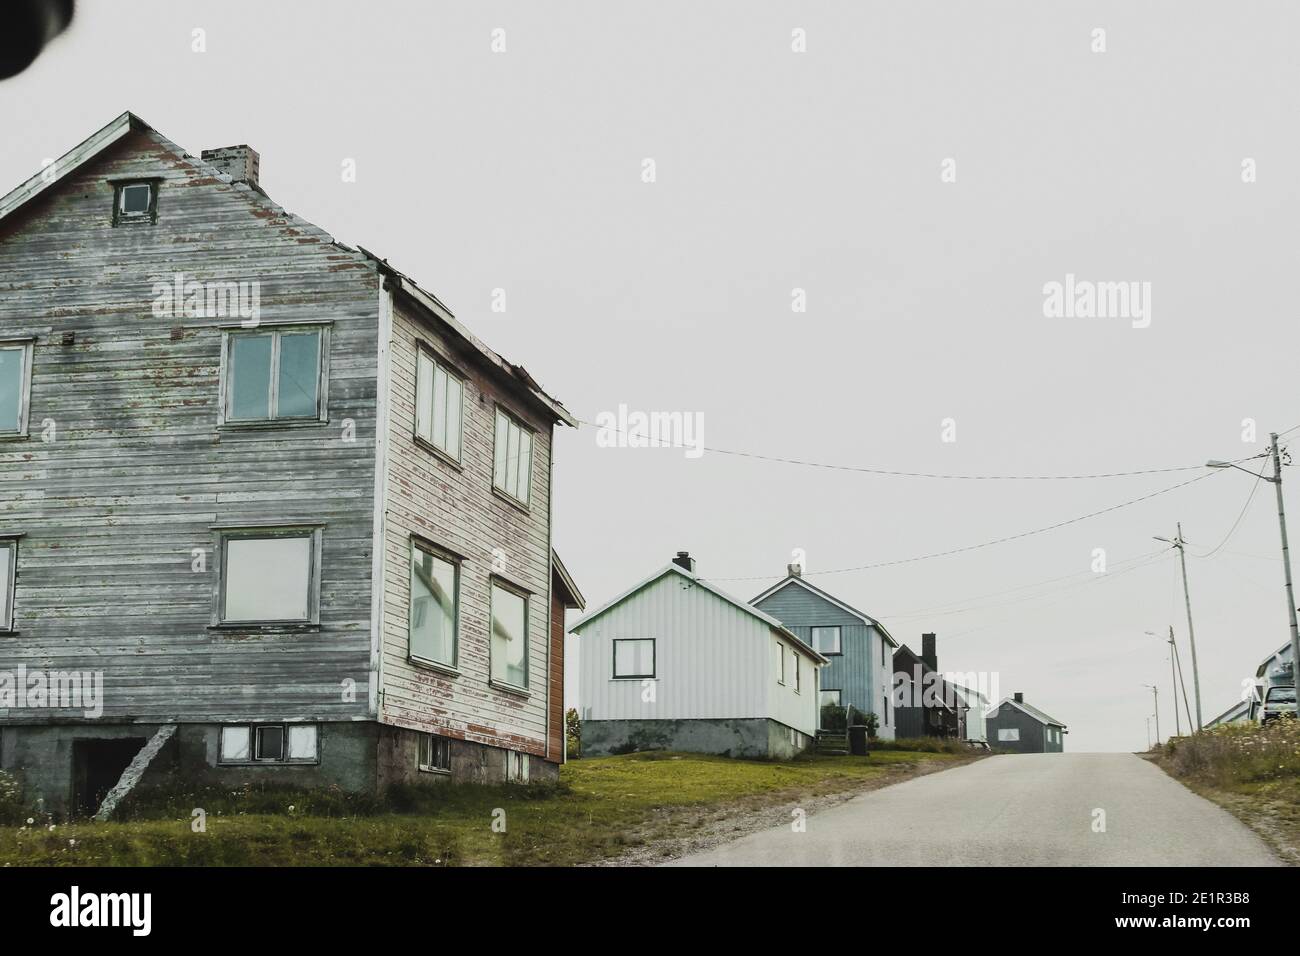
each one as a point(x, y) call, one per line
point(1020, 728)
point(675, 663)
point(270, 493)
point(925, 705)
point(858, 648)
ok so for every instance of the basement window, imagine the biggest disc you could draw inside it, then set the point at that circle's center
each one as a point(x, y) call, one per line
point(269, 577)
point(435, 754)
point(516, 767)
point(269, 743)
point(135, 202)
point(276, 375)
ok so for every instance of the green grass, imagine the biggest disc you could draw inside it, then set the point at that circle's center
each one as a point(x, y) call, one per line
point(601, 808)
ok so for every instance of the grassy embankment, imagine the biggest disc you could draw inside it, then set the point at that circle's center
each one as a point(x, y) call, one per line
point(601, 809)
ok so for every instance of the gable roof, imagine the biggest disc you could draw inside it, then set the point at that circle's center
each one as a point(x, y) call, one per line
point(575, 599)
point(1033, 712)
point(818, 592)
point(970, 695)
point(712, 589)
point(71, 161)
point(1282, 656)
point(94, 145)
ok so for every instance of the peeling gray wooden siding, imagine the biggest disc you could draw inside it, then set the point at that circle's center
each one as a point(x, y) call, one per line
point(139, 470)
point(456, 508)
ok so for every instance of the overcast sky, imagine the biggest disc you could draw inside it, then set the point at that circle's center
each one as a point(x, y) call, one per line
point(822, 170)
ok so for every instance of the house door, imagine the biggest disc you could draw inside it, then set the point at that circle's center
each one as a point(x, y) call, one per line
point(97, 766)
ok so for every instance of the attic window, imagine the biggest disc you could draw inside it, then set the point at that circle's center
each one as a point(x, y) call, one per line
point(135, 202)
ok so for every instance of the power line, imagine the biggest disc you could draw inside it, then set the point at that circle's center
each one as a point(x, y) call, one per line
point(988, 544)
point(956, 607)
point(893, 472)
point(1058, 600)
point(1236, 524)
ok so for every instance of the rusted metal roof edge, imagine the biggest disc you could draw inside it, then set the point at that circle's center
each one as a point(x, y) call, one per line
point(435, 307)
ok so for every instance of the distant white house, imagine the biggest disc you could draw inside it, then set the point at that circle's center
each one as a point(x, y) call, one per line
point(675, 663)
point(973, 725)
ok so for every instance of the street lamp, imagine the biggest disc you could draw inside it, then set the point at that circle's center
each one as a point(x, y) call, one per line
point(1155, 697)
point(1178, 543)
point(1276, 480)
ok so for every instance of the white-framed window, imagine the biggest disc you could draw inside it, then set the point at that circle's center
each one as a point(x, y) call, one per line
point(826, 640)
point(15, 386)
point(269, 743)
point(8, 580)
point(274, 375)
point(512, 458)
point(884, 706)
point(1010, 734)
point(435, 754)
point(634, 658)
point(135, 201)
point(439, 404)
point(269, 576)
point(828, 697)
point(780, 662)
point(435, 606)
point(798, 674)
point(509, 644)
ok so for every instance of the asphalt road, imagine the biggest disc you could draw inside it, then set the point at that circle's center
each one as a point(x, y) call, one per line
point(1024, 810)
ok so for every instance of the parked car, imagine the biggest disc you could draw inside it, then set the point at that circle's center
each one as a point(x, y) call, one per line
point(1279, 701)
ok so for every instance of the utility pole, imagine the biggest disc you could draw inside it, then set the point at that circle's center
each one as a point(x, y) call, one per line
point(1178, 730)
point(1276, 479)
point(1181, 683)
point(1173, 680)
point(1178, 543)
point(1155, 699)
point(1286, 562)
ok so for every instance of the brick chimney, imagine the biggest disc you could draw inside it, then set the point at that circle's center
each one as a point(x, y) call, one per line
point(928, 653)
point(240, 163)
point(1020, 698)
point(684, 560)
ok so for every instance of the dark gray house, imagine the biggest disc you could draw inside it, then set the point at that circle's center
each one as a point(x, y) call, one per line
point(268, 510)
point(858, 648)
point(1021, 728)
point(926, 705)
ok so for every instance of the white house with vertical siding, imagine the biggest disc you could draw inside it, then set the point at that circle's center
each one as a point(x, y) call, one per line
point(675, 663)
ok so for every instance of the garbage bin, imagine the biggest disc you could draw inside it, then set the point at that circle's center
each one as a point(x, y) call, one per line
point(858, 740)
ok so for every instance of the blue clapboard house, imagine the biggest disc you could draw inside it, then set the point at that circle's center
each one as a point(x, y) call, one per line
point(858, 647)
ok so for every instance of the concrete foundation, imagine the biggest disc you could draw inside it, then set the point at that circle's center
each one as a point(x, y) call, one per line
point(750, 737)
point(355, 756)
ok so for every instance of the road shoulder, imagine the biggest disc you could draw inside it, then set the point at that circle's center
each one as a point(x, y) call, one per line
point(682, 831)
